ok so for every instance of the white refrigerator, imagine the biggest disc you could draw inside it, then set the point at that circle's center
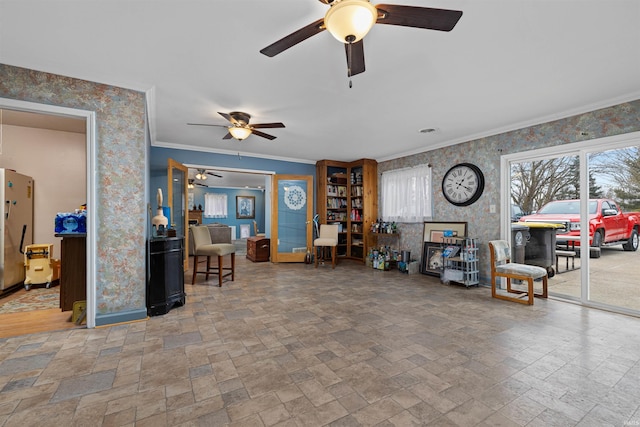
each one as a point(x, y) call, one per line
point(16, 194)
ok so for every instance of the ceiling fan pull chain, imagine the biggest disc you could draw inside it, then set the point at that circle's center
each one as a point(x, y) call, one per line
point(350, 39)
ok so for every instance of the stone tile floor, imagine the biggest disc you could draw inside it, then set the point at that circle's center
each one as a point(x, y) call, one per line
point(291, 345)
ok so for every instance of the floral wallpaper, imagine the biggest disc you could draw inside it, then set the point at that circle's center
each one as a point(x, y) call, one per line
point(120, 170)
point(486, 152)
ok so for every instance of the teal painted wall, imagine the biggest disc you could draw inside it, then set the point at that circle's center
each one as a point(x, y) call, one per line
point(260, 207)
point(159, 157)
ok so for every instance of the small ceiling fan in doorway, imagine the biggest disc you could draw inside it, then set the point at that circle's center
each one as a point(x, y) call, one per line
point(201, 174)
point(192, 183)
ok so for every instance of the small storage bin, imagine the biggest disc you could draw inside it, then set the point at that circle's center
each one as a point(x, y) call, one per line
point(258, 249)
point(38, 265)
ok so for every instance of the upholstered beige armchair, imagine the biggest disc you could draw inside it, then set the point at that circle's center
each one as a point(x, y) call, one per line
point(220, 233)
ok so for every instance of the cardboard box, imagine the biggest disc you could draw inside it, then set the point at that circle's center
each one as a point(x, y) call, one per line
point(413, 267)
point(55, 266)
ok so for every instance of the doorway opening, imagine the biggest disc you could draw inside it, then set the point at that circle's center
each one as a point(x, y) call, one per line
point(72, 131)
point(234, 182)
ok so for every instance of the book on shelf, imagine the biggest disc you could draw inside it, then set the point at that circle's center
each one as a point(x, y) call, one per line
point(336, 190)
point(450, 251)
point(356, 191)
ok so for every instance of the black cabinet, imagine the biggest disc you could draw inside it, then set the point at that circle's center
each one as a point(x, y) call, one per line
point(165, 284)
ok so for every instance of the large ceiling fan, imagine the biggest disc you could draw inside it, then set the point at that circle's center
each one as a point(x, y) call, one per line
point(240, 128)
point(350, 20)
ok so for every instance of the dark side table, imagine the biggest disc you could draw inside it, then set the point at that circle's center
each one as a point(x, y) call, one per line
point(165, 284)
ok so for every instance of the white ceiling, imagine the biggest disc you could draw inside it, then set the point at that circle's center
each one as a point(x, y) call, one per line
point(507, 64)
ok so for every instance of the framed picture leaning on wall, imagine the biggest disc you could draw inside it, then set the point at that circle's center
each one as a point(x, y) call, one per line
point(245, 207)
point(433, 240)
point(434, 230)
point(432, 259)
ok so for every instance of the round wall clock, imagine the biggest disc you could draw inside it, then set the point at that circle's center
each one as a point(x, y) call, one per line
point(463, 184)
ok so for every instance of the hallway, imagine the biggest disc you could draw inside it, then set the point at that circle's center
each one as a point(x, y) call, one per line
point(291, 345)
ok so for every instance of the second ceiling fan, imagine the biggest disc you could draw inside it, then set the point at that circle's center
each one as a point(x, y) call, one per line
point(240, 128)
point(350, 20)
point(202, 174)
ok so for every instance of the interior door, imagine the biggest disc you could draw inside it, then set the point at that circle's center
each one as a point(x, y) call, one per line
point(291, 215)
point(177, 179)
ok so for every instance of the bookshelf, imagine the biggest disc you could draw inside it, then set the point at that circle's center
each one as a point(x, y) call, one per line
point(348, 196)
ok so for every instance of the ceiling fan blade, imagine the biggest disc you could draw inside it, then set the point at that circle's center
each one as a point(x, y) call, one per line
point(205, 124)
point(228, 117)
point(418, 17)
point(355, 61)
point(267, 125)
point(294, 38)
point(227, 136)
point(214, 174)
point(262, 134)
point(201, 185)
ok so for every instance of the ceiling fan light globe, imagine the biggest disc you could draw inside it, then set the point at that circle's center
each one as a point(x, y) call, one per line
point(239, 133)
point(350, 18)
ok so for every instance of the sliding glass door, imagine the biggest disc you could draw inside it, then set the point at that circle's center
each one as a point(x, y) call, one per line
point(614, 267)
point(547, 192)
point(586, 190)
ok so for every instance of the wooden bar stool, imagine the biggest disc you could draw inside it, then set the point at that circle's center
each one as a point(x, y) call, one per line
point(328, 238)
point(204, 247)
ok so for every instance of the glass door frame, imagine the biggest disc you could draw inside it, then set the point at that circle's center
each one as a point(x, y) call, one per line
point(283, 256)
point(581, 149)
point(182, 194)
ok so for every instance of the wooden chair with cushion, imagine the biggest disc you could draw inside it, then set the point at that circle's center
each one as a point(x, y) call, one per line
point(204, 247)
point(255, 230)
point(501, 266)
point(328, 238)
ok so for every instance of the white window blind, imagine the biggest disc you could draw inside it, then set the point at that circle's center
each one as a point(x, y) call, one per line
point(406, 194)
point(215, 205)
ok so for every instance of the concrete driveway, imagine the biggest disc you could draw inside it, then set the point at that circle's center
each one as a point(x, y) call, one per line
point(614, 278)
